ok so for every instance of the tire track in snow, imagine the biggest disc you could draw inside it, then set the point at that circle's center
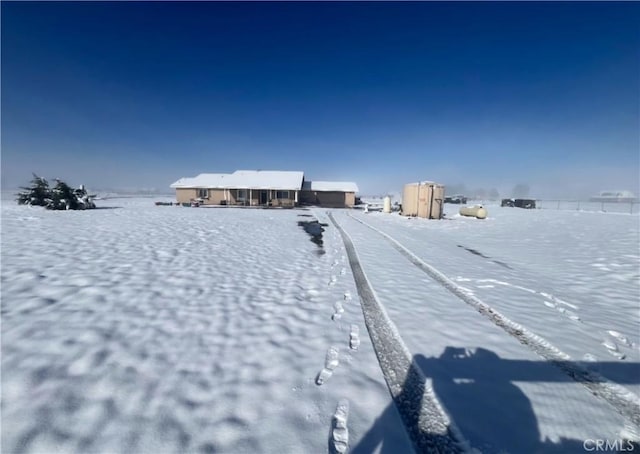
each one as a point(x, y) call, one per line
point(623, 401)
point(428, 426)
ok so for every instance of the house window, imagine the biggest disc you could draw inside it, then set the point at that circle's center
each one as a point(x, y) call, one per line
point(242, 195)
point(203, 193)
point(282, 194)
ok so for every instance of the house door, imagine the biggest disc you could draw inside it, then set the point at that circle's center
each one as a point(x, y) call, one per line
point(263, 197)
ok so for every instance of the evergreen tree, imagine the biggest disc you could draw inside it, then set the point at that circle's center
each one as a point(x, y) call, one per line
point(38, 194)
point(61, 197)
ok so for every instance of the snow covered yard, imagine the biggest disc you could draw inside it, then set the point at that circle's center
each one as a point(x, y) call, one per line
point(171, 329)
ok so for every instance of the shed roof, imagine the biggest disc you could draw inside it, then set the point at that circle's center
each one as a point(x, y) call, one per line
point(326, 186)
point(423, 183)
point(244, 179)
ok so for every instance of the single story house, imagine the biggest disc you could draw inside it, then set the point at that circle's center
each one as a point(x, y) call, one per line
point(263, 188)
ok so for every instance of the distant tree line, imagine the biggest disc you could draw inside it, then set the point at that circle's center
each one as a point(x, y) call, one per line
point(60, 197)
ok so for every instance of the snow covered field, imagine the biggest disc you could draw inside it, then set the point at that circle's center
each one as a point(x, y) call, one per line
point(167, 329)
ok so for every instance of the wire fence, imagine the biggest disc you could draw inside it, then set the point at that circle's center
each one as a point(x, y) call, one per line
point(581, 205)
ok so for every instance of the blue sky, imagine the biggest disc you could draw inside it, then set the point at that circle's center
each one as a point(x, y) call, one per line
point(133, 95)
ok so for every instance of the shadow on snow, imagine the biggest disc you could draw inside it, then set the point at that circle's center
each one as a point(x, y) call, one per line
point(477, 391)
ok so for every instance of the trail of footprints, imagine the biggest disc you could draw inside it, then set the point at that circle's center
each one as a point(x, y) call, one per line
point(612, 341)
point(612, 346)
point(332, 358)
point(556, 303)
point(339, 430)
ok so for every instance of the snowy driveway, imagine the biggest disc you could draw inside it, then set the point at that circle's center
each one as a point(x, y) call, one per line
point(484, 378)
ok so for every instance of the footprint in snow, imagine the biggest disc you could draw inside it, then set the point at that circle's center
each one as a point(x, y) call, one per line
point(343, 271)
point(557, 300)
point(330, 363)
point(338, 310)
point(354, 337)
point(340, 432)
point(333, 280)
point(347, 296)
point(612, 349)
point(572, 315)
point(620, 338)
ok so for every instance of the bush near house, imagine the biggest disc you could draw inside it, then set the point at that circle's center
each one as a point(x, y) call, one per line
point(60, 197)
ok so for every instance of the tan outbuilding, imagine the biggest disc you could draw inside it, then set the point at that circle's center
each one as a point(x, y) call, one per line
point(423, 199)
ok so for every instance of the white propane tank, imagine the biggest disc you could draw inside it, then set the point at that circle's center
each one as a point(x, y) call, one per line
point(477, 211)
point(386, 207)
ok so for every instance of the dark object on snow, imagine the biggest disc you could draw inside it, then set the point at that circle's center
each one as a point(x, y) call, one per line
point(519, 203)
point(457, 199)
point(65, 198)
point(61, 197)
point(39, 194)
point(525, 203)
point(165, 204)
point(314, 228)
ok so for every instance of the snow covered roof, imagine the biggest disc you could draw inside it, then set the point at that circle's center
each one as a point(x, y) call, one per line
point(423, 182)
point(244, 179)
point(204, 180)
point(340, 186)
point(267, 179)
